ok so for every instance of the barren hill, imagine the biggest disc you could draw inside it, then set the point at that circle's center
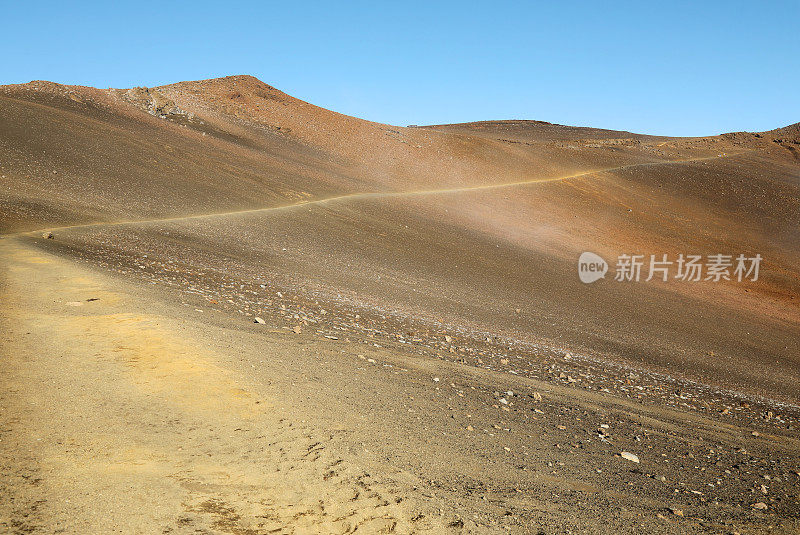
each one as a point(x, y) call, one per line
point(478, 219)
point(457, 244)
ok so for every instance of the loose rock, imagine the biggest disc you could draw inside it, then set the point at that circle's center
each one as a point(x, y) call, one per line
point(629, 456)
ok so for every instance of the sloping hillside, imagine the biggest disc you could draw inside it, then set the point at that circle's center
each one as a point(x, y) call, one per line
point(249, 314)
point(459, 225)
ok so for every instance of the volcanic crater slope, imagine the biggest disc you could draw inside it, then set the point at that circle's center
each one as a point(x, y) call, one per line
point(455, 224)
point(435, 264)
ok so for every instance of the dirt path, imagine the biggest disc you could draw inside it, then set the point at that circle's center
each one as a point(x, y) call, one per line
point(379, 195)
point(112, 422)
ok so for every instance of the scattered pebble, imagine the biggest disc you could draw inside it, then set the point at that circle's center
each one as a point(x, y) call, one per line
point(629, 456)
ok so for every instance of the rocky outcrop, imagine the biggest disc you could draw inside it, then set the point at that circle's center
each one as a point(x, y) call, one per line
point(153, 102)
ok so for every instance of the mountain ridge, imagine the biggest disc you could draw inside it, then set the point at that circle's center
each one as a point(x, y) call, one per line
point(229, 83)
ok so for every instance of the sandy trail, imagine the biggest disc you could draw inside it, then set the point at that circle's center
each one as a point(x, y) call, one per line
point(379, 195)
point(129, 426)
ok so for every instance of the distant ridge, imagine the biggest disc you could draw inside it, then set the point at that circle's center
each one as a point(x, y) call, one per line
point(531, 130)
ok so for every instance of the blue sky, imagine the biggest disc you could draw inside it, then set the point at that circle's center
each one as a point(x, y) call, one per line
point(672, 68)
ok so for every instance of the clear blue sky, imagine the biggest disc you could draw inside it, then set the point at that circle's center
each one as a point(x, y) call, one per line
point(672, 68)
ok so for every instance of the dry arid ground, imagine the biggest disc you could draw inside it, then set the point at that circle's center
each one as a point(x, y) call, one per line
point(225, 310)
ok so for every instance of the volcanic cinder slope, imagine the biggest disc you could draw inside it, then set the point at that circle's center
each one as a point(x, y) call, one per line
point(451, 248)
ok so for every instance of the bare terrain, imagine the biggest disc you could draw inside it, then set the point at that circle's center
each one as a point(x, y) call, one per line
point(227, 310)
